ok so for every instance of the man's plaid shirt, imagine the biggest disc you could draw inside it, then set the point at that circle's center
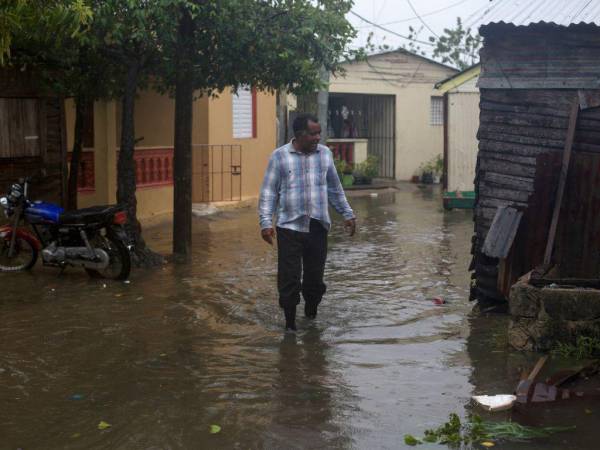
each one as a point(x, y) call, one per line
point(297, 186)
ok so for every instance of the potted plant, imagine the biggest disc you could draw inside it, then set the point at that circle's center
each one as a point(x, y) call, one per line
point(344, 172)
point(367, 170)
point(431, 171)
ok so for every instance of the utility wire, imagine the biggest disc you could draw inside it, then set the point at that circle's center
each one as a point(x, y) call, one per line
point(421, 19)
point(487, 11)
point(432, 13)
point(387, 30)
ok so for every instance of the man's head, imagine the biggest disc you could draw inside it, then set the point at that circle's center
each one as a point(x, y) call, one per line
point(307, 132)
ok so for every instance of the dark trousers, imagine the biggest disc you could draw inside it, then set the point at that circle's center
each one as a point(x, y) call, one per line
point(301, 264)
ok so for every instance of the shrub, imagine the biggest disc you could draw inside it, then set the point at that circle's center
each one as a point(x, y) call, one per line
point(368, 168)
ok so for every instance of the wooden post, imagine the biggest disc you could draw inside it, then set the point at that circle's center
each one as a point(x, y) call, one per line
point(562, 181)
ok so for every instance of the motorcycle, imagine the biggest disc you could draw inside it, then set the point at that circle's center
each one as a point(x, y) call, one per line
point(92, 238)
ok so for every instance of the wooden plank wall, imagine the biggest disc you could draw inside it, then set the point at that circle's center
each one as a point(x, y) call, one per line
point(578, 236)
point(48, 165)
point(530, 75)
point(521, 137)
point(540, 56)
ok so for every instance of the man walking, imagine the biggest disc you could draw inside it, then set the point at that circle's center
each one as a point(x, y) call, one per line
point(300, 181)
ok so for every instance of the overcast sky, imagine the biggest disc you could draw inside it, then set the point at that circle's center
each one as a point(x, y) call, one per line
point(397, 16)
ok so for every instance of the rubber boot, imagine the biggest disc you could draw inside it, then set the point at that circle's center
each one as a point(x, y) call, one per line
point(310, 310)
point(290, 319)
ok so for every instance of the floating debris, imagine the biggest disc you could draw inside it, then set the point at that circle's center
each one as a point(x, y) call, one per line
point(104, 425)
point(500, 402)
point(439, 301)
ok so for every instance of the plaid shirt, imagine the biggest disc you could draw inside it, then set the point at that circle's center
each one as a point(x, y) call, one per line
point(297, 186)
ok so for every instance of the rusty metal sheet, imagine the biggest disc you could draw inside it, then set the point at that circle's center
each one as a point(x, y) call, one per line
point(501, 235)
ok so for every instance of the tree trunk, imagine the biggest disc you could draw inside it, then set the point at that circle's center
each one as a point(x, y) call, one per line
point(282, 117)
point(142, 256)
point(182, 158)
point(323, 104)
point(80, 111)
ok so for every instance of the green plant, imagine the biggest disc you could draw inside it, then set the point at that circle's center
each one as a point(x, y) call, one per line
point(341, 167)
point(368, 168)
point(584, 347)
point(434, 166)
point(454, 432)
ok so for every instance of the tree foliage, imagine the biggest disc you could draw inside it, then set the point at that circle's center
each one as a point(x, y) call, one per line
point(113, 48)
point(457, 46)
point(41, 26)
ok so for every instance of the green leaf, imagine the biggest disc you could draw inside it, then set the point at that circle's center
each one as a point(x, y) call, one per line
point(103, 425)
point(411, 440)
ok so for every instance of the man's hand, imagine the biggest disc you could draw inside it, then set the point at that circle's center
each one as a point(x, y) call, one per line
point(350, 226)
point(268, 234)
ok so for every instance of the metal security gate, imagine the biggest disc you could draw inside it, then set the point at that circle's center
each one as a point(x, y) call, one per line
point(371, 117)
point(217, 173)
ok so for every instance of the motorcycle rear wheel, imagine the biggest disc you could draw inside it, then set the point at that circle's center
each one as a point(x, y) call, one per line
point(119, 265)
point(24, 257)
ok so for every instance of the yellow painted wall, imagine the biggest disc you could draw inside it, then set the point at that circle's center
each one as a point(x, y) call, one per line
point(255, 151)
point(154, 121)
point(104, 152)
point(411, 79)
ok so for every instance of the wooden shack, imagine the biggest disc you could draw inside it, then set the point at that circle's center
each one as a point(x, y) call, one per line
point(32, 136)
point(539, 87)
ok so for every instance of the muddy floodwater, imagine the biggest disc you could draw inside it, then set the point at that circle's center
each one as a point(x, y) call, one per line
point(184, 348)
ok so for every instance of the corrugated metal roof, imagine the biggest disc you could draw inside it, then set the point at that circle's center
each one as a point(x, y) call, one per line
point(526, 12)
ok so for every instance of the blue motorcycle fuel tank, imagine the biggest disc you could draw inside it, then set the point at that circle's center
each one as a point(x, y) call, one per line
point(42, 212)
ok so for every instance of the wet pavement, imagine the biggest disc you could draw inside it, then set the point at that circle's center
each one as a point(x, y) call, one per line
point(181, 348)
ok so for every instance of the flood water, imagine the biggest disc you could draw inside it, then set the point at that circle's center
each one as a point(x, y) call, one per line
point(181, 348)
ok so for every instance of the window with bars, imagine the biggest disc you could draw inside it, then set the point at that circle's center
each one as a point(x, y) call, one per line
point(437, 111)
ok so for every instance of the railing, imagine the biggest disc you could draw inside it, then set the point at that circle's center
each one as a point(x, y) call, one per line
point(86, 178)
point(342, 150)
point(153, 167)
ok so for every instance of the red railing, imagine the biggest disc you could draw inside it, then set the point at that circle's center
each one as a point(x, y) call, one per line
point(153, 166)
point(342, 150)
point(86, 178)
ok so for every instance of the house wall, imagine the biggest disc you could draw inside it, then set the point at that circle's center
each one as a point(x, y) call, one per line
point(411, 79)
point(154, 122)
point(255, 151)
point(463, 122)
point(103, 146)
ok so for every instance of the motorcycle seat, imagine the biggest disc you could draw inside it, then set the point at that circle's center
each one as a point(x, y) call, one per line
point(93, 214)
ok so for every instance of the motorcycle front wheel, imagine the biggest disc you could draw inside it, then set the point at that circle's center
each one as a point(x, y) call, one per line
point(24, 255)
point(119, 265)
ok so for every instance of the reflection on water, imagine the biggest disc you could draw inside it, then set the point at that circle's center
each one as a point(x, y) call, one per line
point(185, 347)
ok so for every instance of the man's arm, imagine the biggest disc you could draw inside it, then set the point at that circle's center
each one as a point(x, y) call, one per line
point(269, 196)
point(337, 198)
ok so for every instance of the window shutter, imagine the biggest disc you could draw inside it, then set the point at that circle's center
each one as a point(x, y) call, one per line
point(243, 113)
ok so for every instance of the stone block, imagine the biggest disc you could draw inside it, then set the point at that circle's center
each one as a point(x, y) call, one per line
point(524, 300)
point(571, 304)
